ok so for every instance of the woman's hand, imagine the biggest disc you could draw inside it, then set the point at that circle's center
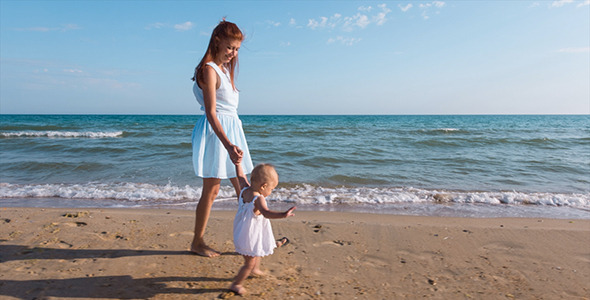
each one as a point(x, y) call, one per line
point(235, 154)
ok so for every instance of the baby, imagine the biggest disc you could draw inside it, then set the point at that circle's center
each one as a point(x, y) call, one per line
point(253, 237)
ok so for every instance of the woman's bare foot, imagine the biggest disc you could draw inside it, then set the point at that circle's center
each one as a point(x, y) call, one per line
point(204, 250)
point(238, 289)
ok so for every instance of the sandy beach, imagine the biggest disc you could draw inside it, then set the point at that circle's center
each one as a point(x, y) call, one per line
point(141, 254)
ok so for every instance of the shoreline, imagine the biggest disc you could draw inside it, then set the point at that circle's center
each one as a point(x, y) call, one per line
point(106, 253)
point(448, 209)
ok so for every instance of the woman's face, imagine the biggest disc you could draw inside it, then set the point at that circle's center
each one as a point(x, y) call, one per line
point(228, 49)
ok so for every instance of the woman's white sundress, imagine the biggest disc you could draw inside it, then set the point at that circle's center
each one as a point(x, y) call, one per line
point(252, 233)
point(210, 158)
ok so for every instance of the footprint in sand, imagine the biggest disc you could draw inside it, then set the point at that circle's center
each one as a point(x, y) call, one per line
point(502, 245)
point(583, 258)
point(76, 214)
point(112, 236)
point(187, 233)
point(76, 224)
point(342, 243)
point(338, 243)
point(375, 261)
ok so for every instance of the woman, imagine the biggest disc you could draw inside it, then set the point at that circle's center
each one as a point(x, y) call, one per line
point(218, 138)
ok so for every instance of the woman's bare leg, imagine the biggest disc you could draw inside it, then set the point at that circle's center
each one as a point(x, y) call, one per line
point(208, 195)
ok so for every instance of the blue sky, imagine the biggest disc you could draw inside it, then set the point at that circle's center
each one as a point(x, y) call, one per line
point(299, 57)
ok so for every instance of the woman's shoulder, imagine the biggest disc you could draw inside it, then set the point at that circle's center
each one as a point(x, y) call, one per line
point(208, 68)
point(209, 75)
point(212, 66)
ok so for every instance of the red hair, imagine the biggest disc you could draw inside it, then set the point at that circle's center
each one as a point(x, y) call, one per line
point(223, 31)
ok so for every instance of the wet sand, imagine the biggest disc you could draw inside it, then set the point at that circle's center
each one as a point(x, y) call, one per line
point(140, 254)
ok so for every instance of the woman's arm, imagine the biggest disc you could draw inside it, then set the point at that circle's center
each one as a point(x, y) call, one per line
point(260, 205)
point(209, 86)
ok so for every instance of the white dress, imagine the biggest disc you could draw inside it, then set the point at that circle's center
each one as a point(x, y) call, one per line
point(252, 233)
point(210, 158)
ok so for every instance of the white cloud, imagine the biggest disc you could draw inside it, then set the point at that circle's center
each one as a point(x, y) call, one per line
point(73, 71)
point(348, 41)
point(45, 73)
point(359, 20)
point(561, 3)
point(314, 24)
point(575, 50)
point(348, 23)
point(438, 4)
point(69, 27)
point(273, 23)
point(405, 8)
point(184, 26)
point(381, 17)
point(38, 29)
point(156, 25)
point(292, 22)
point(365, 8)
point(178, 27)
point(427, 6)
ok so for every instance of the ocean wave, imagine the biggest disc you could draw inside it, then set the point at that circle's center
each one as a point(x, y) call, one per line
point(117, 191)
point(62, 134)
point(307, 194)
point(46, 167)
point(19, 127)
point(436, 131)
point(298, 194)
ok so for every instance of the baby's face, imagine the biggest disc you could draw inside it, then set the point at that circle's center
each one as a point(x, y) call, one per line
point(270, 187)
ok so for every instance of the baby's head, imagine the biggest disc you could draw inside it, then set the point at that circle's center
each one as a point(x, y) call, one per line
point(264, 179)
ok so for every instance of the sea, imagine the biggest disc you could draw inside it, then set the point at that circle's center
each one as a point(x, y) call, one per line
point(482, 166)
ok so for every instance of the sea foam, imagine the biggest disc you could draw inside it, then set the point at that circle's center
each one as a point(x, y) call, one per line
point(62, 134)
point(299, 194)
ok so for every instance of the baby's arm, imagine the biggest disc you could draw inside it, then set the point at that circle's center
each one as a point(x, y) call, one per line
point(242, 179)
point(260, 205)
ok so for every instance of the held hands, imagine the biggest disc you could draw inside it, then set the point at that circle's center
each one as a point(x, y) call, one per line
point(235, 154)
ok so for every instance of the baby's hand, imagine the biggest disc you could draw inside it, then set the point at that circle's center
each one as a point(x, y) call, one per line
point(289, 213)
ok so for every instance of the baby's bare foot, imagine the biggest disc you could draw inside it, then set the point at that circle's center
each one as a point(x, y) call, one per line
point(257, 272)
point(204, 250)
point(238, 289)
